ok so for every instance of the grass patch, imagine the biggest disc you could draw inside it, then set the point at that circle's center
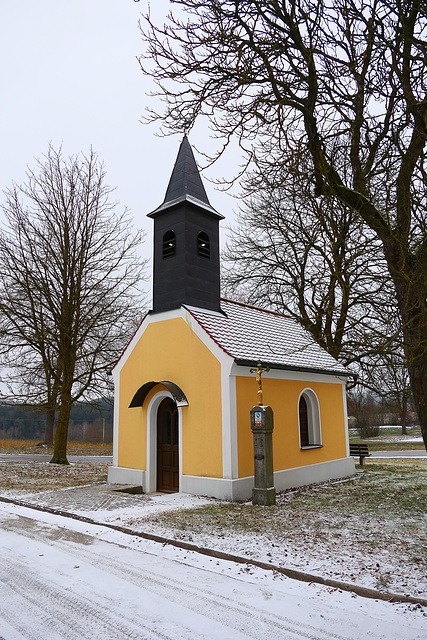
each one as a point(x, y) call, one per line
point(32, 477)
point(395, 487)
point(381, 511)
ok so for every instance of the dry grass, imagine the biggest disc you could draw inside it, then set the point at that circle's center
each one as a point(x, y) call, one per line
point(73, 449)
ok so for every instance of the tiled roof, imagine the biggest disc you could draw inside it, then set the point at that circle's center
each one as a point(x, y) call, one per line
point(251, 335)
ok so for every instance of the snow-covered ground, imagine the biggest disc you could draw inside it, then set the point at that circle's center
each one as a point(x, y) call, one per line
point(388, 553)
point(378, 549)
point(390, 438)
point(63, 579)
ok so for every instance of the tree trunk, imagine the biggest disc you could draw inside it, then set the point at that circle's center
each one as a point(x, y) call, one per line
point(61, 434)
point(50, 422)
point(415, 334)
point(418, 377)
point(403, 421)
point(414, 330)
point(409, 282)
point(403, 410)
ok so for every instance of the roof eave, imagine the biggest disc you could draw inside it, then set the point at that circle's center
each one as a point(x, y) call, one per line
point(288, 367)
point(188, 199)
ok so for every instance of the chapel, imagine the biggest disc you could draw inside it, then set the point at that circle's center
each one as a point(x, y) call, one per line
point(184, 385)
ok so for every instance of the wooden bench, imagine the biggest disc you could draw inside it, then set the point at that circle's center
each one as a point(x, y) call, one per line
point(361, 450)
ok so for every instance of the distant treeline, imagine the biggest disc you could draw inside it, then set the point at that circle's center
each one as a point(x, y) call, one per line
point(89, 422)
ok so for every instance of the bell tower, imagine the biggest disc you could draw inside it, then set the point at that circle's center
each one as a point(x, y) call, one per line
point(186, 267)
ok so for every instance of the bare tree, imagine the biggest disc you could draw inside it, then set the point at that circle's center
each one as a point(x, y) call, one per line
point(387, 376)
point(28, 379)
point(69, 283)
point(311, 259)
point(318, 76)
point(395, 385)
point(366, 409)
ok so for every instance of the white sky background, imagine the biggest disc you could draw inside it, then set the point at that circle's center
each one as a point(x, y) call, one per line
point(69, 76)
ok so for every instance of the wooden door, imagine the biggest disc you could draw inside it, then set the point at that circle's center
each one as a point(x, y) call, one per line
point(167, 447)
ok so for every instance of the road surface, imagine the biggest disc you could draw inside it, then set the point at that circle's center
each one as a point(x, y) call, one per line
point(63, 579)
point(409, 453)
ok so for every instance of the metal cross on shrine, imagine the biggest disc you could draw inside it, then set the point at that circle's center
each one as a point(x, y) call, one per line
point(259, 371)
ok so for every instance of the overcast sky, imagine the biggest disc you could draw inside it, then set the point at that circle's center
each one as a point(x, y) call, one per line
point(69, 76)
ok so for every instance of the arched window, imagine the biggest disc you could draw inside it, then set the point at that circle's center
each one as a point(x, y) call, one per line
point(169, 244)
point(309, 420)
point(203, 245)
point(303, 422)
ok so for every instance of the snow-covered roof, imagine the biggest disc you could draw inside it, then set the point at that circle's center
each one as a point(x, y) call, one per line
point(251, 335)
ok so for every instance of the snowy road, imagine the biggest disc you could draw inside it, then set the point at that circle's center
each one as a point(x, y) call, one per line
point(62, 579)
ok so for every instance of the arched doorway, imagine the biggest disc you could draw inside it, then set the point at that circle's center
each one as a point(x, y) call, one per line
point(167, 447)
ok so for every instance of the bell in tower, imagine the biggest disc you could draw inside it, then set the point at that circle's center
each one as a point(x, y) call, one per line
point(186, 241)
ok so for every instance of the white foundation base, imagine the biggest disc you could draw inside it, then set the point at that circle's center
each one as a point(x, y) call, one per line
point(122, 475)
point(241, 488)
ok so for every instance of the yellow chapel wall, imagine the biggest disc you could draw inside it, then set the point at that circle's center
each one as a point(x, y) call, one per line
point(170, 350)
point(283, 396)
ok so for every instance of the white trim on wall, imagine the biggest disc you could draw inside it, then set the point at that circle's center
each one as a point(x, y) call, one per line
point(344, 400)
point(313, 473)
point(241, 488)
point(116, 412)
point(229, 423)
point(233, 431)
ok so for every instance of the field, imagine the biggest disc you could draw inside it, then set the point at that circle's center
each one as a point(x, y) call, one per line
point(73, 449)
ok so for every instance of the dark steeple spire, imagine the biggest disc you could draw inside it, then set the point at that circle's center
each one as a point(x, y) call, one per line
point(186, 241)
point(185, 179)
point(185, 184)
